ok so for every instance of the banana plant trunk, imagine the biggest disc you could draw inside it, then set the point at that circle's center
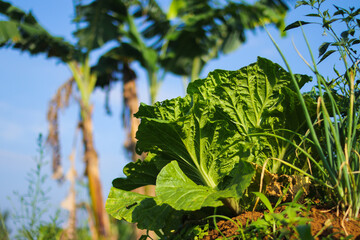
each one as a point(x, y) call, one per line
point(92, 172)
point(132, 103)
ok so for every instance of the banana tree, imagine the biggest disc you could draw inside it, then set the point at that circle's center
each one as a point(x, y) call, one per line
point(204, 29)
point(22, 31)
point(85, 81)
point(119, 59)
point(130, 47)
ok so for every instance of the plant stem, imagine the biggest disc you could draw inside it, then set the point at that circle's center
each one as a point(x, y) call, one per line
point(195, 69)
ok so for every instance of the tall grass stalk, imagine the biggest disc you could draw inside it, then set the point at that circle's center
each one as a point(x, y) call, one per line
point(339, 150)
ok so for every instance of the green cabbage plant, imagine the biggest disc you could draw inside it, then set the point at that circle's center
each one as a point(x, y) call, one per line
point(203, 149)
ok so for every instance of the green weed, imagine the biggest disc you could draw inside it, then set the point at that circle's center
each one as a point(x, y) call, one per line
point(336, 139)
point(34, 204)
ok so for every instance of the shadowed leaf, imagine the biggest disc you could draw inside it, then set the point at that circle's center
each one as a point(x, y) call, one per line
point(323, 47)
point(296, 25)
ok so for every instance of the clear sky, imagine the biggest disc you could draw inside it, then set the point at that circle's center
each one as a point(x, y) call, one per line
point(28, 83)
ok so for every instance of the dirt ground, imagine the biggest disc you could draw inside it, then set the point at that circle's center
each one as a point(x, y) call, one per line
point(334, 227)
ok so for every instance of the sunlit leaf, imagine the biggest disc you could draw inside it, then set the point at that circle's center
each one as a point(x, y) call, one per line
point(9, 31)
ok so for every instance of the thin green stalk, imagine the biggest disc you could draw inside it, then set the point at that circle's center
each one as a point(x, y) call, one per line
point(327, 137)
point(327, 116)
point(78, 79)
point(302, 102)
point(351, 112)
point(327, 121)
point(93, 79)
point(153, 86)
point(300, 171)
point(287, 144)
point(343, 131)
point(349, 136)
point(195, 69)
point(327, 140)
point(336, 114)
point(85, 70)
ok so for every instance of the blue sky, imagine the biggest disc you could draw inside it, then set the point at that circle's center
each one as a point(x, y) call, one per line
point(28, 83)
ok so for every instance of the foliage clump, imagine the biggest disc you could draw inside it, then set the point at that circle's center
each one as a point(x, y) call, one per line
point(204, 149)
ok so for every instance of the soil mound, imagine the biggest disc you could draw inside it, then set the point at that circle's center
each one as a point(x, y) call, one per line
point(325, 223)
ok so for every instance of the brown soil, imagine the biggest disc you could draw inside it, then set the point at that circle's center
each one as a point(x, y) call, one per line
point(334, 227)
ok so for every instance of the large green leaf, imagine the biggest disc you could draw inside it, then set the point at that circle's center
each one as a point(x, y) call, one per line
point(141, 209)
point(9, 32)
point(238, 179)
point(120, 203)
point(177, 190)
point(152, 216)
point(101, 21)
